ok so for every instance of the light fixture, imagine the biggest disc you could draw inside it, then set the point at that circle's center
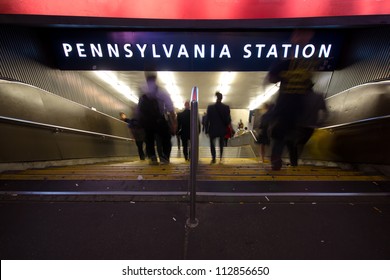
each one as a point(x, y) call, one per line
point(225, 81)
point(111, 79)
point(168, 81)
point(264, 97)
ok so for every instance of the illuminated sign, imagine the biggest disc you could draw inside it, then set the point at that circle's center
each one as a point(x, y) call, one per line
point(187, 51)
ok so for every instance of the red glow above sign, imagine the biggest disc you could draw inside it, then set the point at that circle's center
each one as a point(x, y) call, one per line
point(199, 9)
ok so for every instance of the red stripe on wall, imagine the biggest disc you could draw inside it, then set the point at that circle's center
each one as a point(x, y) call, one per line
point(199, 9)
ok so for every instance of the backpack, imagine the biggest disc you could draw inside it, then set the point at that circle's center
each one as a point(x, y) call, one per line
point(149, 111)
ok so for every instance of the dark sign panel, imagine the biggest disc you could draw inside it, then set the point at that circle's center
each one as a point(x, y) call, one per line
point(188, 51)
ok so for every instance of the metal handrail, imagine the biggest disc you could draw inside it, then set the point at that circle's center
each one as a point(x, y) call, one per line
point(354, 122)
point(253, 135)
point(194, 136)
point(57, 128)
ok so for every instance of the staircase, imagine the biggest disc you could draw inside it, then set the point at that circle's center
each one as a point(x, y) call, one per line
point(236, 178)
point(228, 152)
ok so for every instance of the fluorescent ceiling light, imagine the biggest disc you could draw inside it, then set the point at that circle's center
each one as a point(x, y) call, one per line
point(225, 81)
point(264, 97)
point(111, 79)
point(169, 82)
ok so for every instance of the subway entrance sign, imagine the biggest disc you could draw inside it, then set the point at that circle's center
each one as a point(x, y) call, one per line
point(188, 51)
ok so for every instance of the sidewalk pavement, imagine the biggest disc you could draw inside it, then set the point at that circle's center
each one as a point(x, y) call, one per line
point(157, 230)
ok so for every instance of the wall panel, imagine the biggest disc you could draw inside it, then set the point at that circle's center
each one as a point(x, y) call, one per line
point(366, 58)
point(24, 57)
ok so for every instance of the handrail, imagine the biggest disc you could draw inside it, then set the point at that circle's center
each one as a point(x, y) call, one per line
point(354, 122)
point(253, 135)
point(194, 137)
point(57, 128)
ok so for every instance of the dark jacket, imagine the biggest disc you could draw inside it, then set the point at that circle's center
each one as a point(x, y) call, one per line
point(218, 118)
point(183, 123)
point(314, 112)
point(136, 129)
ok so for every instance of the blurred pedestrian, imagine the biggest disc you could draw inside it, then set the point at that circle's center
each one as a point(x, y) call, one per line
point(218, 119)
point(313, 115)
point(139, 136)
point(204, 121)
point(137, 132)
point(183, 125)
point(263, 137)
point(295, 77)
point(178, 139)
point(240, 125)
point(229, 133)
point(123, 117)
point(157, 115)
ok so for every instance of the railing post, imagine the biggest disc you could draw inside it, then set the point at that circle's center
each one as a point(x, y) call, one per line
point(192, 221)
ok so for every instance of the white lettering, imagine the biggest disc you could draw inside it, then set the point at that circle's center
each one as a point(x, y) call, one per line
point(199, 51)
point(260, 47)
point(127, 48)
point(81, 50)
point(182, 51)
point(142, 49)
point(296, 51)
point(286, 47)
point(225, 51)
point(96, 50)
point(196, 51)
point(325, 52)
point(247, 51)
point(67, 49)
point(307, 55)
point(168, 54)
point(155, 55)
point(113, 50)
point(272, 51)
